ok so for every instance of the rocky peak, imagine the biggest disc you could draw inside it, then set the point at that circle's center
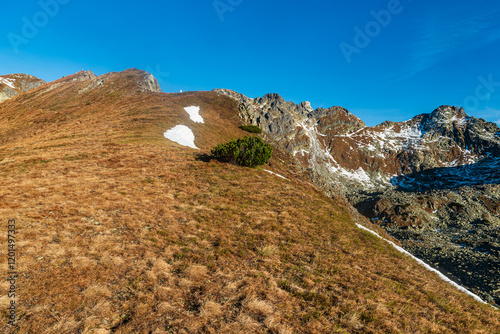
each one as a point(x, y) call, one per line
point(78, 76)
point(25, 82)
point(336, 121)
point(445, 116)
point(141, 80)
point(14, 84)
point(232, 94)
point(84, 75)
point(147, 82)
point(272, 98)
point(306, 106)
point(446, 111)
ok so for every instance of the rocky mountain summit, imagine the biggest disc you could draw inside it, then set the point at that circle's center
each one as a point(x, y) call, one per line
point(142, 81)
point(432, 181)
point(14, 84)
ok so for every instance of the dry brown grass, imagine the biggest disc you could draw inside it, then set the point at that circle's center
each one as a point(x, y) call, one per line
point(121, 231)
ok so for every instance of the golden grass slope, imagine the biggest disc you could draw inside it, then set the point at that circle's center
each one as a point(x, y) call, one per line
point(122, 231)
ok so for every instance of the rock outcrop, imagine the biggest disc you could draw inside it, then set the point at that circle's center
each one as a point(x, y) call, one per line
point(124, 81)
point(14, 84)
point(148, 83)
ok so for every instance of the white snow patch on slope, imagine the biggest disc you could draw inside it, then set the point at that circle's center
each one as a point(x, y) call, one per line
point(284, 178)
point(359, 175)
point(8, 82)
point(300, 152)
point(411, 134)
point(461, 121)
point(194, 114)
point(459, 287)
point(182, 135)
point(388, 139)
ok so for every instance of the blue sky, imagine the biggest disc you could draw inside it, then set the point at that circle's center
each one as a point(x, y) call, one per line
point(382, 60)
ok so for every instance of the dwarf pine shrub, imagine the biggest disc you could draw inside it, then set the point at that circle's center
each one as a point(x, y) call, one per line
point(251, 128)
point(246, 151)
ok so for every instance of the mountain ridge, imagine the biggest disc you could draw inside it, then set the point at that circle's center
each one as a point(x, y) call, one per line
point(121, 230)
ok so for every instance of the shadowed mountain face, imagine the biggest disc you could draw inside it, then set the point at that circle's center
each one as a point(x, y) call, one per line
point(486, 171)
point(402, 175)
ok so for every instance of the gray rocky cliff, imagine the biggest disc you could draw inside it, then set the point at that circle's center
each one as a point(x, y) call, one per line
point(14, 84)
point(148, 83)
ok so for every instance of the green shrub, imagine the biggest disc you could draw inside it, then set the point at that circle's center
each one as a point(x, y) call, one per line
point(246, 151)
point(251, 128)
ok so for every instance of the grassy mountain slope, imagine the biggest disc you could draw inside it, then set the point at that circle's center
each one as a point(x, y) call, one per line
point(122, 231)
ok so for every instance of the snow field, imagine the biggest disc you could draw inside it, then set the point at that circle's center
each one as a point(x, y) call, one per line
point(182, 135)
point(194, 114)
point(284, 178)
point(8, 82)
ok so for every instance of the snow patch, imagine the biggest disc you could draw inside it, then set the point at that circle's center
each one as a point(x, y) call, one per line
point(461, 121)
point(284, 178)
point(182, 135)
point(194, 114)
point(411, 134)
point(8, 82)
point(358, 175)
point(300, 152)
point(388, 139)
point(443, 277)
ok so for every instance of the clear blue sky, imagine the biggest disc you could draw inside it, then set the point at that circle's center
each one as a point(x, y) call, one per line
point(419, 55)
